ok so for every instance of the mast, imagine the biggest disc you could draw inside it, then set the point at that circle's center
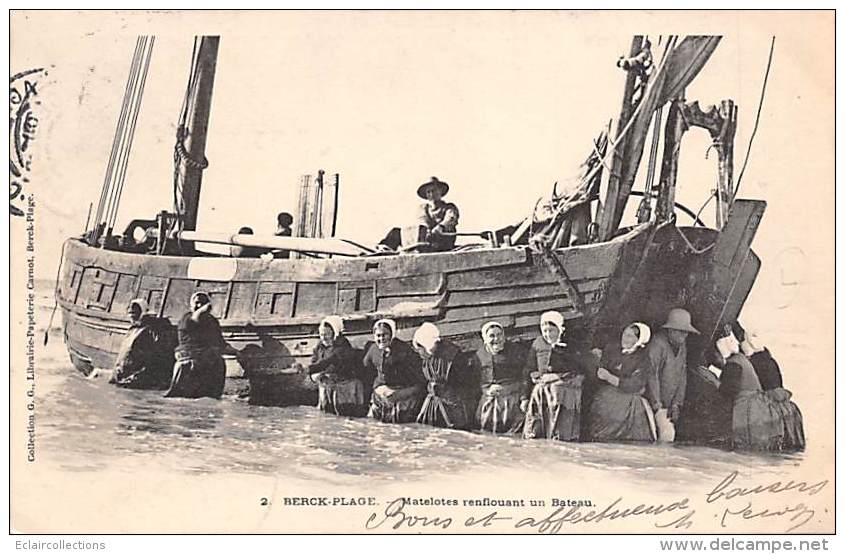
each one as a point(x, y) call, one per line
point(193, 129)
point(608, 213)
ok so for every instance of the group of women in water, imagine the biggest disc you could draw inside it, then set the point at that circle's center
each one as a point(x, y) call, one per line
point(554, 389)
point(630, 390)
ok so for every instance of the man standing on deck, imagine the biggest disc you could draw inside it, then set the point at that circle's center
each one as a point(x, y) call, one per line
point(439, 219)
point(438, 216)
point(668, 353)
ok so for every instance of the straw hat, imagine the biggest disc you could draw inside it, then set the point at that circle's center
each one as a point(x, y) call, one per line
point(680, 320)
point(435, 182)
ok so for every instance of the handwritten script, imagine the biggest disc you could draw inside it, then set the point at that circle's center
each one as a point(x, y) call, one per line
point(775, 501)
point(785, 506)
point(23, 125)
point(398, 515)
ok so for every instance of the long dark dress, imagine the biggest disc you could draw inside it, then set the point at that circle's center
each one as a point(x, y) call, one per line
point(199, 370)
point(756, 424)
point(554, 409)
point(622, 413)
point(397, 367)
point(446, 372)
point(503, 383)
point(771, 380)
point(341, 389)
point(145, 359)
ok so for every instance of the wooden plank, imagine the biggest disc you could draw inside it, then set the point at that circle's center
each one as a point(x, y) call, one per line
point(672, 135)
point(500, 278)
point(432, 283)
point(729, 256)
point(300, 225)
point(736, 237)
point(178, 295)
point(242, 299)
point(266, 287)
point(340, 269)
point(461, 314)
point(741, 290)
point(391, 302)
point(592, 261)
point(316, 299)
point(497, 296)
point(124, 293)
point(328, 220)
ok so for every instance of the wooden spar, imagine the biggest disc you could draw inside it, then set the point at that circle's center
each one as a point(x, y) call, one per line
point(729, 256)
point(302, 206)
point(196, 131)
point(335, 246)
point(725, 148)
point(317, 211)
point(328, 209)
point(673, 133)
point(635, 139)
point(302, 209)
point(608, 212)
point(720, 122)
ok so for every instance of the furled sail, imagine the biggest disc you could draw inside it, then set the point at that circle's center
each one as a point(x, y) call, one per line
point(560, 228)
point(680, 64)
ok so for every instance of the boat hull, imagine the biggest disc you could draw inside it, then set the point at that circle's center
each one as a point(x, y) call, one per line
point(269, 311)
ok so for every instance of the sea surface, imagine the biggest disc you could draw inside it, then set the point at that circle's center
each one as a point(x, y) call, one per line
point(86, 425)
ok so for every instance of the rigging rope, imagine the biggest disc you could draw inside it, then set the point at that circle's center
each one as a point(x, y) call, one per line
point(131, 133)
point(611, 151)
point(105, 190)
point(115, 176)
point(180, 153)
point(691, 246)
point(122, 140)
point(757, 119)
point(122, 152)
point(644, 210)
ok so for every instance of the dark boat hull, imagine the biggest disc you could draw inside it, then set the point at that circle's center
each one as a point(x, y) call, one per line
point(270, 310)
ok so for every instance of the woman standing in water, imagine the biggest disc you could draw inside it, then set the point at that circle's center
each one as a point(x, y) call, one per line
point(145, 359)
point(557, 372)
point(335, 366)
point(399, 385)
point(771, 380)
point(500, 368)
point(755, 423)
point(619, 411)
point(443, 367)
point(199, 369)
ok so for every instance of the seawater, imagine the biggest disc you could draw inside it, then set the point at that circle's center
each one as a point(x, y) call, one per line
point(87, 425)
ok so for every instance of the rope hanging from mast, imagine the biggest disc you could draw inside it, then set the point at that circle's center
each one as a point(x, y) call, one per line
point(180, 153)
point(115, 177)
point(757, 119)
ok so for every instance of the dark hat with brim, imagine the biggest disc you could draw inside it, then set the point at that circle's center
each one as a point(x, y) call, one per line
point(435, 182)
point(680, 320)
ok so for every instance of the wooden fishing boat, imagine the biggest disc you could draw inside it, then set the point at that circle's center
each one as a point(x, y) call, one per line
point(269, 309)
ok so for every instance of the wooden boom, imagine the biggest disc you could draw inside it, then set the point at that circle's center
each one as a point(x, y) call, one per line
point(335, 246)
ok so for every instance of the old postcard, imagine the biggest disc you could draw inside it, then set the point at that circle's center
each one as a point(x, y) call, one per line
point(443, 272)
